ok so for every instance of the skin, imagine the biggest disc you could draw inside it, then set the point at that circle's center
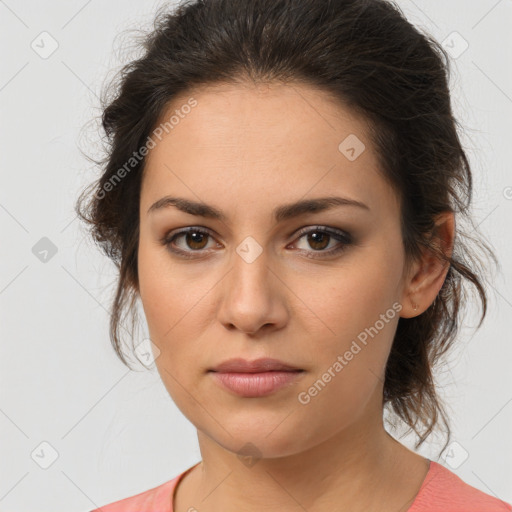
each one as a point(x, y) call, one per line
point(247, 149)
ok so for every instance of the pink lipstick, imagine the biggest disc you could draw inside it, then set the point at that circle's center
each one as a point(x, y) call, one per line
point(258, 378)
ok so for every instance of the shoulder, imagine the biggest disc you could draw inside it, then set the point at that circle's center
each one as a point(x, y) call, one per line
point(443, 490)
point(156, 499)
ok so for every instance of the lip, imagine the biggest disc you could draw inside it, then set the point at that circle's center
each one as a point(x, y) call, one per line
point(264, 364)
point(252, 385)
point(258, 378)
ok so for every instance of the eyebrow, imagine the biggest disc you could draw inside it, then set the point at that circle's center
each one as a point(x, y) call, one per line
point(280, 213)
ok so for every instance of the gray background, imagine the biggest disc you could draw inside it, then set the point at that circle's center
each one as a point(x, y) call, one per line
point(114, 433)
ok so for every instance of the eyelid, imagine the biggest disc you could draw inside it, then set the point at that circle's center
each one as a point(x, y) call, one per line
point(170, 236)
point(306, 229)
point(324, 229)
point(343, 237)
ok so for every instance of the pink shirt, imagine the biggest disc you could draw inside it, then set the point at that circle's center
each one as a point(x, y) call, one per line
point(441, 491)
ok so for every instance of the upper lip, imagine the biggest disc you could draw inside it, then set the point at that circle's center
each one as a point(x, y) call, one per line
point(240, 365)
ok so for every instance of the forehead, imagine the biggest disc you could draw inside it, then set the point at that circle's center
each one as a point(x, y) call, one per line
point(277, 116)
point(259, 141)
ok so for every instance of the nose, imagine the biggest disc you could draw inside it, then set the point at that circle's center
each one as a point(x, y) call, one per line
point(253, 297)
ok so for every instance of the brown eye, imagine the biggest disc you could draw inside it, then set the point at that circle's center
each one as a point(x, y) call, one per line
point(195, 239)
point(186, 242)
point(318, 240)
point(193, 242)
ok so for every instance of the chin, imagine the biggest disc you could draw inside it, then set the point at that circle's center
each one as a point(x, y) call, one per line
point(254, 441)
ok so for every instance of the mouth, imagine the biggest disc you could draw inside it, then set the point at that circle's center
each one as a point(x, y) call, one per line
point(239, 365)
point(252, 379)
point(253, 385)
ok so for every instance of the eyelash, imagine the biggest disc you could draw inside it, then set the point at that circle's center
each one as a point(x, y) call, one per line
point(340, 236)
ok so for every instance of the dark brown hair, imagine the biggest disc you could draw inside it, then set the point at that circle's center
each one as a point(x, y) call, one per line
point(369, 57)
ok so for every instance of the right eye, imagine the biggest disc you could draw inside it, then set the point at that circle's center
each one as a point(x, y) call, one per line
point(194, 240)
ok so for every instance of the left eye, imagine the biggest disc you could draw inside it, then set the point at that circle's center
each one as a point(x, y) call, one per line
point(318, 238)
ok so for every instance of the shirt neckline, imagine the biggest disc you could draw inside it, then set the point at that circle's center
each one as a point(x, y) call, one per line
point(178, 480)
point(432, 468)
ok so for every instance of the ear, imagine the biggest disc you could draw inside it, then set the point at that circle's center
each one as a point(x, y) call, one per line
point(427, 274)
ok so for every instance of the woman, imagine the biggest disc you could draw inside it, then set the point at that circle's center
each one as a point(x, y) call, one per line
point(281, 191)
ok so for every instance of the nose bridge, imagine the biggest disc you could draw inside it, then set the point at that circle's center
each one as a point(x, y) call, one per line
point(250, 275)
point(251, 269)
point(250, 299)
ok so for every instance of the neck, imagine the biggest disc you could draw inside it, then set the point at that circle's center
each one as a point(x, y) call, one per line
point(361, 467)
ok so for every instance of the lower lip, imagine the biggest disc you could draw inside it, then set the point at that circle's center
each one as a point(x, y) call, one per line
point(256, 384)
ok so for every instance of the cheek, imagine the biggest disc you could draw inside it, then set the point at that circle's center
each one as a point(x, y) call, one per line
point(168, 292)
point(174, 299)
point(350, 364)
point(363, 293)
point(359, 314)
point(167, 306)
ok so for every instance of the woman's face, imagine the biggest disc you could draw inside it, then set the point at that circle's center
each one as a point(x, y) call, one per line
point(257, 284)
